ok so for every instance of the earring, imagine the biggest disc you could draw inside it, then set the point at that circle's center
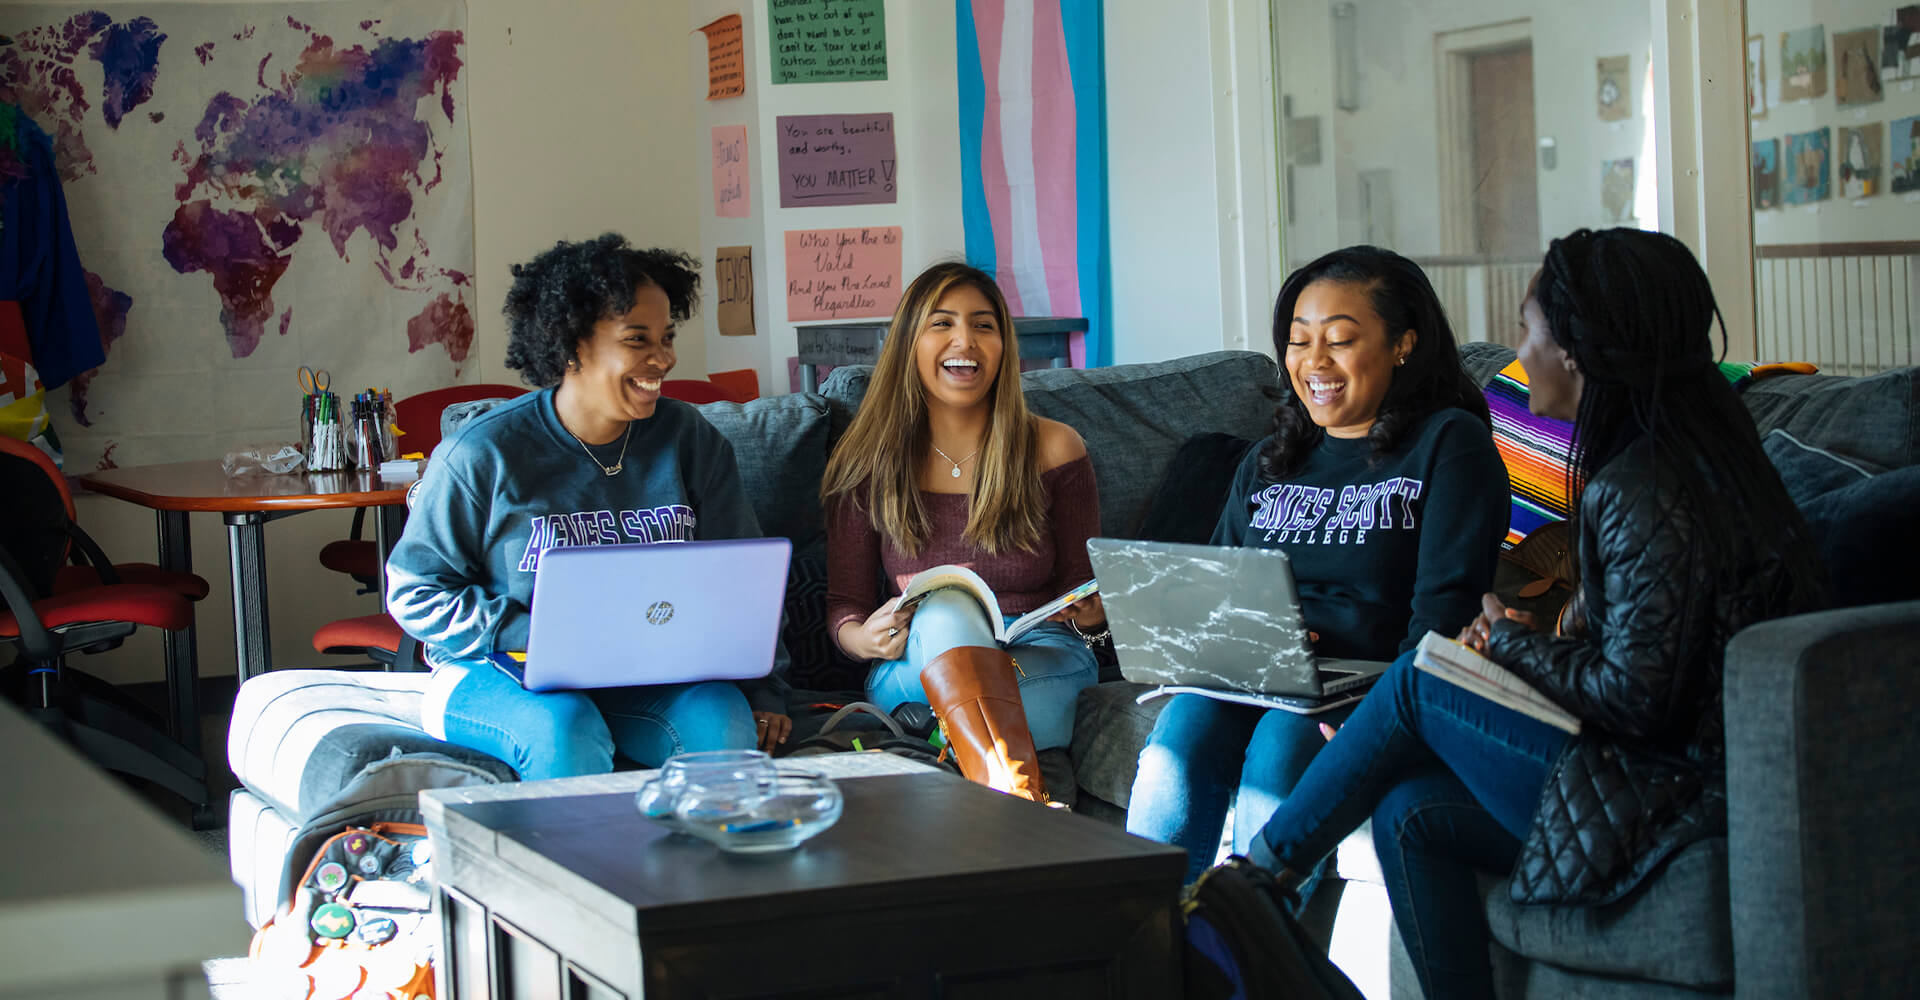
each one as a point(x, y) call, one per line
point(1401, 361)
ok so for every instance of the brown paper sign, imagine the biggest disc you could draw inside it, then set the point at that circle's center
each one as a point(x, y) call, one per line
point(733, 278)
point(726, 62)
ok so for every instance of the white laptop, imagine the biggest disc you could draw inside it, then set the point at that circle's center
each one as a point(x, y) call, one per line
point(666, 613)
point(1220, 621)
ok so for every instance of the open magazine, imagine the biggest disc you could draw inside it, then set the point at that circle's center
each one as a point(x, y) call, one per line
point(1461, 665)
point(927, 581)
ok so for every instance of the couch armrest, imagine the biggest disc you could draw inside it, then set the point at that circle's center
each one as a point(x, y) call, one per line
point(1822, 804)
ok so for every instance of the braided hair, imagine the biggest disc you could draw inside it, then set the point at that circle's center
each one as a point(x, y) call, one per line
point(1636, 313)
point(1432, 379)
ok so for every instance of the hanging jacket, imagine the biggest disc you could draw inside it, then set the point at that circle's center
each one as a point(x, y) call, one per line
point(1647, 773)
point(39, 265)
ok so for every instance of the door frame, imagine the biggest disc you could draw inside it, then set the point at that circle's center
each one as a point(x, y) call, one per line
point(1453, 52)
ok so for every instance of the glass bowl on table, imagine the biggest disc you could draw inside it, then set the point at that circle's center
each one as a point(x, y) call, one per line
point(800, 805)
point(745, 773)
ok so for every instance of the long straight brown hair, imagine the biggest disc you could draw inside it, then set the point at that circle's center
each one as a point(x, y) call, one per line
point(889, 437)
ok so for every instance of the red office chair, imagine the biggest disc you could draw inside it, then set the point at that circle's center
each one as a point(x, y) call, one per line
point(418, 417)
point(693, 390)
point(43, 625)
point(742, 385)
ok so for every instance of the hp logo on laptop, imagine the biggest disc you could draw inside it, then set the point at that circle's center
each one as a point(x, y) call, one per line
point(659, 613)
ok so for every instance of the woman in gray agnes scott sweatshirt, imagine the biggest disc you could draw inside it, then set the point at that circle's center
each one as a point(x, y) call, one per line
point(597, 457)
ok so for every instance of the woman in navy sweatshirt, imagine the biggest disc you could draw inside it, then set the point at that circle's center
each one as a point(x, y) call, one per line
point(1382, 484)
point(597, 457)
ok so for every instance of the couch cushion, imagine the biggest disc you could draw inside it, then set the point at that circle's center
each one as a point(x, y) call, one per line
point(1807, 471)
point(1674, 928)
point(1186, 507)
point(1869, 537)
point(1109, 728)
point(1875, 418)
point(1133, 417)
point(781, 445)
point(298, 738)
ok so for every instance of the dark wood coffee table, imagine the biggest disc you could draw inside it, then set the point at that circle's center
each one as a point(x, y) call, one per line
point(927, 887)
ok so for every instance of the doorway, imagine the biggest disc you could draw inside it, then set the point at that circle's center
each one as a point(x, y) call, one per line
point(1505, 193)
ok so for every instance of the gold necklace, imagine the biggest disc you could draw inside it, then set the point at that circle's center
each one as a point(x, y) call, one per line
point(618, 463)
point(950, 461)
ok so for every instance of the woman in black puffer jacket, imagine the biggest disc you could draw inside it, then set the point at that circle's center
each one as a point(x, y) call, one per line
point(1686, 537)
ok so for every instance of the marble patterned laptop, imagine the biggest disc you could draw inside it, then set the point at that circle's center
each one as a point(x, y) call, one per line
point(1218, 620)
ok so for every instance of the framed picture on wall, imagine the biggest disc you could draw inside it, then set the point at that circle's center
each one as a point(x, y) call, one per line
point(1859, 159)
point(1806, 167)
point(1900, 44)
point(1803, 64)
point(1903, 142)
point(1856, 67)
point(1757, 76)
point(1766, 174)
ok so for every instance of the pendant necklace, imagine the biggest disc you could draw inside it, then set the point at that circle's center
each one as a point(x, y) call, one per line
point(950, 461)
point(618, 463)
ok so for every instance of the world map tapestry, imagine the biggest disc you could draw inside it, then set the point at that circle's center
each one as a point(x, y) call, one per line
point(252, 189)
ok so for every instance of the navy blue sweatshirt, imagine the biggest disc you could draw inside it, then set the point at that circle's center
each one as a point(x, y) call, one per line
point(1383, 552)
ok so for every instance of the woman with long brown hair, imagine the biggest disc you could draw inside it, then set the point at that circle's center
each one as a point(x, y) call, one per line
point(944, 464)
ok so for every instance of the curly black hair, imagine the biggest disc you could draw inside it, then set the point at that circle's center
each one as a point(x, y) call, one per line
point(1432, 379)
point(558, 296)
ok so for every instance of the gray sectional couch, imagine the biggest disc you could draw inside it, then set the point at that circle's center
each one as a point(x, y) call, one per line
point(1813, 892)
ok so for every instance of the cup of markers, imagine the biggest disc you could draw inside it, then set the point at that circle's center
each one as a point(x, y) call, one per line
point(325, 435)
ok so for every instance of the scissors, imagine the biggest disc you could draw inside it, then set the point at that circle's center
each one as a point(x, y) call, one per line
point(314, 381)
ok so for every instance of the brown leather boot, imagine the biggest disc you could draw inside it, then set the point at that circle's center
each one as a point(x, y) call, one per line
point(976, 697)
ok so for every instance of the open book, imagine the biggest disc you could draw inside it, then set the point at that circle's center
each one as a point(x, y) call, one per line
point(1460, 665)
point(929, 580)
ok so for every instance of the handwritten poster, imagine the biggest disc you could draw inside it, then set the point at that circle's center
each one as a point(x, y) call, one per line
point(733, 288)
point(730, 171)
point(726, 62)
point(836, 160)
point(828, 41)
point(842, 273)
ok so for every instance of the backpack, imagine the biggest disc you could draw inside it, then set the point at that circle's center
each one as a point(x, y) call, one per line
point(852, 728)
point(360, 923)
point(1243, 942)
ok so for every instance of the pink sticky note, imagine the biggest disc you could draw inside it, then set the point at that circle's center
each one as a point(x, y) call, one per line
point(842, 273)
point(730, 171)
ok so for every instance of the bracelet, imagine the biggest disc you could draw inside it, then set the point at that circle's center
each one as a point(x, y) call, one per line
point(1090, 638)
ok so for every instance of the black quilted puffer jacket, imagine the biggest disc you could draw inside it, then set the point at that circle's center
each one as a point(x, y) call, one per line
point(1647, 774)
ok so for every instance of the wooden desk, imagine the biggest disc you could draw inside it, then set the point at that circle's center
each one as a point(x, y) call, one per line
point(939, 888)
point(246, 504)
point(100, 896)
point(858, 343)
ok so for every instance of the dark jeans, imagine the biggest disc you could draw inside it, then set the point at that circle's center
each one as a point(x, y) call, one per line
point(1450, 780)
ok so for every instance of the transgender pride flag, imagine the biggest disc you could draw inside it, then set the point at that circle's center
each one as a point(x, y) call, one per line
point(1033, 157)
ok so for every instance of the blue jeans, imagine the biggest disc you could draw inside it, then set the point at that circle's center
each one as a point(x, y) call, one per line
point(1052, 664)
point(559, 734)
point(1204, 753)
point(1451, 781)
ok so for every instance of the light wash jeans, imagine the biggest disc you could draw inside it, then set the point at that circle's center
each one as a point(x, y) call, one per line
point(559, 734)
point(1053, 665)
point(1203, 755)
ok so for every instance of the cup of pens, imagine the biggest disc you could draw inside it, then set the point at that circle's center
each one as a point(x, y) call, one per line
point(321, 432)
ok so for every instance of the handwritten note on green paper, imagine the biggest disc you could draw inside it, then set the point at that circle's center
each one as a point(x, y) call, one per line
point(828, 41)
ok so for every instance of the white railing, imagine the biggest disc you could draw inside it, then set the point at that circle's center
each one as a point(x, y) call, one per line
point(1851, 308)
point(1482, 294)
